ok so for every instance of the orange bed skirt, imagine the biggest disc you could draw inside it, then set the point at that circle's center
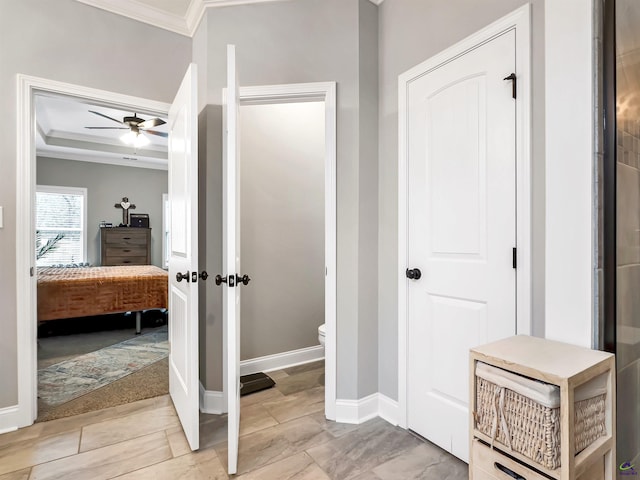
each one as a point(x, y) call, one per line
point(82, 292)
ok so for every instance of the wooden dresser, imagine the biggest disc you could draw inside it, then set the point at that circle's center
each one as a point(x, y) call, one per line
point(125, 246)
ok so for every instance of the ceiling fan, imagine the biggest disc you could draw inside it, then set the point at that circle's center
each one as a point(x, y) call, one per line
point(136, 127)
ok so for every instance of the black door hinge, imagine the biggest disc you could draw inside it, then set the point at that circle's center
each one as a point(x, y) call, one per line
point(514, 84)
point(515, 257)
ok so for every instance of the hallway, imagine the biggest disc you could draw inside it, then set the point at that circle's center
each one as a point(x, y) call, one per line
point(283, 436)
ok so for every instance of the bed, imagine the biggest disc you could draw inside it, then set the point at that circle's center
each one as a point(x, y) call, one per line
point(87, 291)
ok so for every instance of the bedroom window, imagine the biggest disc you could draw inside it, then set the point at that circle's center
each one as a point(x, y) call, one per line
point(61, 219)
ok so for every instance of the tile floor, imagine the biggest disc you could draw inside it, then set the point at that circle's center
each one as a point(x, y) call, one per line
point(284, 436)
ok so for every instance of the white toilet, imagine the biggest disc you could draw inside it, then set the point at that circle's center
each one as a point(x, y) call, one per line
point(321, 334)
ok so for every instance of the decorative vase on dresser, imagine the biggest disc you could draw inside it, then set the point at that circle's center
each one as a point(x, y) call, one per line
point(125, 246)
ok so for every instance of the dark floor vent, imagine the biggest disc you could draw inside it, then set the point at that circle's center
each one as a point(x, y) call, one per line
point(255, 383)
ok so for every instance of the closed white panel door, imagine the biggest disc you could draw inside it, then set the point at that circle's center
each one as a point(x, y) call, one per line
point(231, 259)
point(183, 257)
point(461, 231)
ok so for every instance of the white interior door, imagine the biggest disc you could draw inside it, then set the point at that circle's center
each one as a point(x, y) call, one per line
point(461, 231)
point(231, 258)
point(183, 257)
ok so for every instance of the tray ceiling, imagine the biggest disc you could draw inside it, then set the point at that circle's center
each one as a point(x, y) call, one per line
point(61, 133)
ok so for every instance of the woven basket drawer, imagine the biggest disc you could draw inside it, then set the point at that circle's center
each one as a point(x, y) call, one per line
point(516, 421)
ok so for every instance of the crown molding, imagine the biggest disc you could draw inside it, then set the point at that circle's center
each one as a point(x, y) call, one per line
point(144, 13)
point(186, 25)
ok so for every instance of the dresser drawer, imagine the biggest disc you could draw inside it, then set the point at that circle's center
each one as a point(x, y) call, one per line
point(488, 464)
point(126, 238)
point(123, 260)
point(126, 251)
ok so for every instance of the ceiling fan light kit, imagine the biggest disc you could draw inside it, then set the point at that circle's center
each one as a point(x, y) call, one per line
point(135, 138)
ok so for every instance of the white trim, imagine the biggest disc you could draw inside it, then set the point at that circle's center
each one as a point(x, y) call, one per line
point(145, 13)
point(282, 360)
point(519, 20)
point(357, 411)
point(9, 419)
point(184, 25)
point(212, 402)
point(317, 91)
point(122, 161)
point(388, 409)
point(165, 229)
point(73, 191)
point(25, 230)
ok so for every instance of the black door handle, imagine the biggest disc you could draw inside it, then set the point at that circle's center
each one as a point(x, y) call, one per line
point(204, 275)
point(244, 279)
point(182, 276)
point(413, 273)
point(508, 471)
point(231, 281)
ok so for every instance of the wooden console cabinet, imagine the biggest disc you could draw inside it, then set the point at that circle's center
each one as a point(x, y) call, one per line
point(125, 246)
point(568, 367)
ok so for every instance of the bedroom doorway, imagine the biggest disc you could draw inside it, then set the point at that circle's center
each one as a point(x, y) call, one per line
point(89, 355)
point(182, 129)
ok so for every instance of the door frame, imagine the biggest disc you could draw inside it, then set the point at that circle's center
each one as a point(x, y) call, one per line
point(519, 20)
point(26, 311)
point(318, 91)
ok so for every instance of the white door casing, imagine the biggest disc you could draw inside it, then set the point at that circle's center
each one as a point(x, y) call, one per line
point(463, 175)
point(231, 258)
point(325, 92)
point(25, 412)
point(183, 257)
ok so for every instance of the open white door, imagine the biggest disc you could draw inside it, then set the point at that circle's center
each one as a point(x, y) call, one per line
point(183, 257)
point(231, 258)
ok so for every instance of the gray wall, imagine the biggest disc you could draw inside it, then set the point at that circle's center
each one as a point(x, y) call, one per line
point(210, 244)
point(411, 31)
point(312, 41)
point(282, 225)
point(106, 185)
point(70, 42)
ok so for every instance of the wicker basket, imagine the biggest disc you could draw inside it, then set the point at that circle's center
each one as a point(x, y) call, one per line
point(531, 429)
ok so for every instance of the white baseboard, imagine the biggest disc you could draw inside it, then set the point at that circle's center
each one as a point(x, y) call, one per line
point(281, 360)
point(359, 411)
point(9, 420)
point(212, 402)
point(388, 409)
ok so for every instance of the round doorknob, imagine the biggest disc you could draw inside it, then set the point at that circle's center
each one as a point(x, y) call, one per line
point(182, 276)
point(220, 279)
point(203, 275)
point(413, 273)
point(244, 279)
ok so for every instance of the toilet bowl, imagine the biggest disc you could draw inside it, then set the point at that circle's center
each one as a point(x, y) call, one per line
point(321, 334)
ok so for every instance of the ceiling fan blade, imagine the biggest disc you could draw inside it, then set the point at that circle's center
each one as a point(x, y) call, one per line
point(107, 128)
point(105, 116)
point(152, 122)
point(160, 134)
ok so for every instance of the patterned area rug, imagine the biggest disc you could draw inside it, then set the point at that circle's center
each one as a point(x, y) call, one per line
point(70, 379)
